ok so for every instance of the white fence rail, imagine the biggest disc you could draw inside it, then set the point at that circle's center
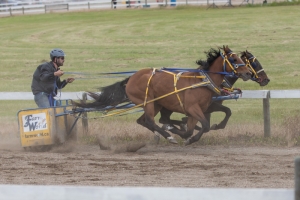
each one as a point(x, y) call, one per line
point(29, 95)
point(30, 192)
point(247, 94)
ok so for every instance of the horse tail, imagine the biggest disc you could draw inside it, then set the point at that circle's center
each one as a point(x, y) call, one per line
point(110, 95)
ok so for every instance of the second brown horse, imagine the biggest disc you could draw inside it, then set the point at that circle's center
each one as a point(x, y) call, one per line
point(258, 75)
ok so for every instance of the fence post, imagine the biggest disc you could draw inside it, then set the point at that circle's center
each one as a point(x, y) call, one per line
point(266, 108)
point(85, 125)
point(89, 7)
point(45, 9)
point(23, 10)
point(297, 178)
point(10, 11)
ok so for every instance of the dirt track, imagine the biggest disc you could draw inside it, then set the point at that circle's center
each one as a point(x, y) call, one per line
point(162, 165)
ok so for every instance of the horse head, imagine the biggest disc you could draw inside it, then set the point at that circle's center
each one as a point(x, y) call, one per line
point(233, 63)
point(258, 73)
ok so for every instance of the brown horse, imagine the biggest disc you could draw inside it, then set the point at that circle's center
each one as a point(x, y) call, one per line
point(183, 92)
point(258, 75)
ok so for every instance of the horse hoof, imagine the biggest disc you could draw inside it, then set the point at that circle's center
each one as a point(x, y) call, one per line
point(187, 142)
point(214, 127)
point(172, 140)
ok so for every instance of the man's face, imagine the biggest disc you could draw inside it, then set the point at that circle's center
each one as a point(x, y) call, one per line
point(60, 61)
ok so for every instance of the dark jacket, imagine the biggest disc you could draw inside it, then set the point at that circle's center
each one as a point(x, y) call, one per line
point(44, 80)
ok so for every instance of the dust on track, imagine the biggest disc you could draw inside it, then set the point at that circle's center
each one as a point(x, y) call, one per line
point(160, 165)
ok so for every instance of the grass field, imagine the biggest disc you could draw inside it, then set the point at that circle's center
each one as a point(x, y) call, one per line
point(123, 40)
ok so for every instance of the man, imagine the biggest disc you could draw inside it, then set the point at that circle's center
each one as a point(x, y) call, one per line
point(46, 79)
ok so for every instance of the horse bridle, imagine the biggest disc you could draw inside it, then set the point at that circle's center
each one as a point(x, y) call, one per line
point(230, 61)
point(252, 65)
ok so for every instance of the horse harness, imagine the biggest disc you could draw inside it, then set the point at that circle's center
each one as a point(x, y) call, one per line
point(206, 80)
point(202, 75)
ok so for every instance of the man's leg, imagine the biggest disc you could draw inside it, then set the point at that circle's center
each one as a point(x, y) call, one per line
point(41, 100)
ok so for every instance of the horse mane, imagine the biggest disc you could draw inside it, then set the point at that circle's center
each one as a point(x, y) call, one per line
point(211, 56)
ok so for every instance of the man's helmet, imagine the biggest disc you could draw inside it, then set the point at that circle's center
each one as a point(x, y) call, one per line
point(56, 53)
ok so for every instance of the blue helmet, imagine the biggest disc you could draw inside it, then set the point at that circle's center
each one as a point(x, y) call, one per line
point(56, 53)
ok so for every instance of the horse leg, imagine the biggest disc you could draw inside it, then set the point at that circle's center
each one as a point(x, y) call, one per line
point(165, 115)
point(141, 121)
point(183, 123)
point(215, 107)
point(164, 133)
point(191, 122)
point(147, 120)
point(195, 138)
point(197, 115)
point(219, 107)
point(165, 119)
point(168, 123)
point(207, 117)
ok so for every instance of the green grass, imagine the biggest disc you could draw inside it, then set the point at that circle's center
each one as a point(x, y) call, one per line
point(124, 40)
point(111, 41)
